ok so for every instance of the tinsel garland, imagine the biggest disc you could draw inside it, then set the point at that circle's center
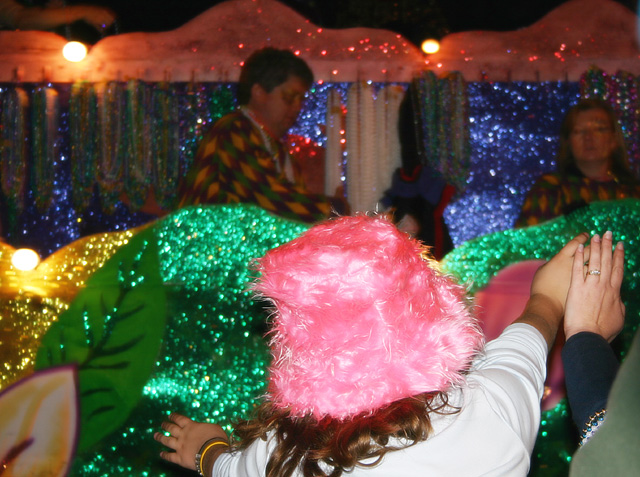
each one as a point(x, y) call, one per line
point(387, 138)
point(166, 147)
point(85, 150)
point(425, 105)
point(384, 130)
point(594, 83)
point(513, 127)
point(138, 136)
point(454, 129)
point(14, 147)
point(353, 145)
point(114, 127)
point(334, 147)
point(361, 130)
point(204, 104)
point(444, 122)
point(368, 159)
point(626, 98)
point(45, 116)
point(138, 156)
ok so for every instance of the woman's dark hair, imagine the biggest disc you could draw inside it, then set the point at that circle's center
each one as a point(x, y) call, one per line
point(565, 161)
point(270, 67)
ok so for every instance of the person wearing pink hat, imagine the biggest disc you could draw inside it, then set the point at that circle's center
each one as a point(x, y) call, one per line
point(380, 368)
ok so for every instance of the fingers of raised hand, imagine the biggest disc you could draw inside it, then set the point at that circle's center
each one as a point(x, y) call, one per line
point(593, 268)
point(617, 267)
point(171, 457)
point(605, 252)
point(179, 419)
point(570, 248)
point(167, 441)
point(171, 428)
point(577, 271)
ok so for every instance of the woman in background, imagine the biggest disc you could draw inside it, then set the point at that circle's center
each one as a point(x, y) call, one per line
point(592, 165)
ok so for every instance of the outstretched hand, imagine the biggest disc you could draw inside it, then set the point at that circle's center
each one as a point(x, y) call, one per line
point(185, 438)
point(593, 302)
point(553, 278)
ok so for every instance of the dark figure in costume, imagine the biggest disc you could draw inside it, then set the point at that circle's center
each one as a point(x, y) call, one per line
point(592, 165)
point(418, 194)
point(241, 159)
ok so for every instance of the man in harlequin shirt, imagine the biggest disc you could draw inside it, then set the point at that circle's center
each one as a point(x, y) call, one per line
point(241, 159)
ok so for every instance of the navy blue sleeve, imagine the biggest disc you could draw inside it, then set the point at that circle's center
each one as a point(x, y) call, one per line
point(590, 366)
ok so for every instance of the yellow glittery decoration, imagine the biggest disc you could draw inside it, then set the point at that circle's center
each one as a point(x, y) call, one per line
point(31, 300)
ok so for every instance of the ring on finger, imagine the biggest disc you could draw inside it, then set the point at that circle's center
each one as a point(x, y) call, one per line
point(595, 271)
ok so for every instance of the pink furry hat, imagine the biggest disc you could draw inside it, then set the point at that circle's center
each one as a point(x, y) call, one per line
point(361, 319)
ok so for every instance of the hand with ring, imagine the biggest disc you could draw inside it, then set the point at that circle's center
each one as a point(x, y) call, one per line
point(593, 302)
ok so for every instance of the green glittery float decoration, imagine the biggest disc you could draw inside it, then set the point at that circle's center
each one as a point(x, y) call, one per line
point(213, 357)
point(112, 331)
point(477, 261)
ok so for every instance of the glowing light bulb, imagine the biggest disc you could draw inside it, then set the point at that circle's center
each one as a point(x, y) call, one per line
point(430, 46)
point(25, 259)
point(74, 51)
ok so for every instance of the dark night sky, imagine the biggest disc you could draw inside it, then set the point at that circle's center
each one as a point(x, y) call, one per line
point(415, 19)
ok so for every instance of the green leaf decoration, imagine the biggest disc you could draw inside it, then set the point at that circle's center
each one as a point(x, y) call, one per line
point(112, 331)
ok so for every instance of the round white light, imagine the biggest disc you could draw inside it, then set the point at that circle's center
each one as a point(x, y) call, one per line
point(430, 46)
point(74, 51)
point(25, 259)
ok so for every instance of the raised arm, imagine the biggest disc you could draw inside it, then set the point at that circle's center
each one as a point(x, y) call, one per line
point(594, 316)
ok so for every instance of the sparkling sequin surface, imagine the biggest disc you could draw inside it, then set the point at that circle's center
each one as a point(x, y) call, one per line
point(212, 360)
point(212, 357)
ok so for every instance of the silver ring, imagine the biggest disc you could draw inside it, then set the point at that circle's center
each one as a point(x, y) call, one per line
point(593, 272)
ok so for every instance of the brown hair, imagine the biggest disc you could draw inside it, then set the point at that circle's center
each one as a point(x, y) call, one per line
point(270, 67)
point(565, 161)
point(341, 445)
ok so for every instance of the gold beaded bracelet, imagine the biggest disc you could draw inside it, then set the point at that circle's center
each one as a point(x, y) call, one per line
point(216, 441)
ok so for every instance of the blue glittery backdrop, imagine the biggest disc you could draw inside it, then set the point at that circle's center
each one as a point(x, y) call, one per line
point(514, 136)
point(513, 133)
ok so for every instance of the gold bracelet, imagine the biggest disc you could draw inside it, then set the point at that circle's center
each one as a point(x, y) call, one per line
point(205, 447)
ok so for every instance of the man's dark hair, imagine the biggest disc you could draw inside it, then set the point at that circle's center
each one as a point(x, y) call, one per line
point(270, 67)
